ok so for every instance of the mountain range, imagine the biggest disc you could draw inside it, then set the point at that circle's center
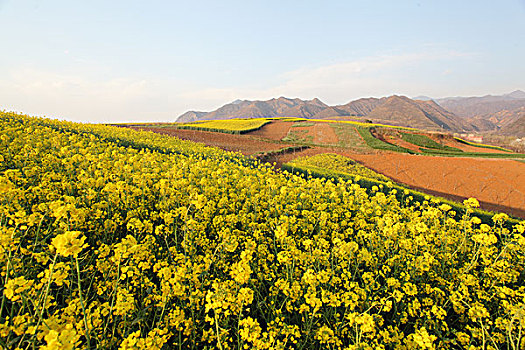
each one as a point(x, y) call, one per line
point(503, 114)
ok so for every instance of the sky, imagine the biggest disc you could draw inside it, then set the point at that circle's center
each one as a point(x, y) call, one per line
point(125, 61)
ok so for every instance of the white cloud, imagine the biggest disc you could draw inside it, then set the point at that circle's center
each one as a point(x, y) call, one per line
point(78, 97)
point(89, 96)
point(335, 83)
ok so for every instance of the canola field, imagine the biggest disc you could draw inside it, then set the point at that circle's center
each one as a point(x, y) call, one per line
point(229, 126)
point(336, 163)
point(338, 167)
point(117, 239)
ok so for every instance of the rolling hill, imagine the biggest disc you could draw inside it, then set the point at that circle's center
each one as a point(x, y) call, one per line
point(396, 110)
point(517, 126)
point(488, 112)
point(276, 107)
point(456, 114)
point(399, 110)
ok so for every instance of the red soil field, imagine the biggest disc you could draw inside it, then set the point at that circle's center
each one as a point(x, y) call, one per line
point(321, 133)
point(245, 144)
point(324, 134)
point(274, 131)
point(498, 183)
point(399, 142)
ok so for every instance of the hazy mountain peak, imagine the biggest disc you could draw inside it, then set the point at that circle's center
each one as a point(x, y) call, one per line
point(423, 98)
point(516, 94)
point(318, 102)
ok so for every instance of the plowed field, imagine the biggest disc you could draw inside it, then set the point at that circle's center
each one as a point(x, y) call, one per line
point(245, 144)
point(498, 184)
point(274, 131)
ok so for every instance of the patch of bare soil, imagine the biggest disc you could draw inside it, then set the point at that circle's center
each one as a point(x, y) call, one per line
point(245, 144)
point(448, 140)
point(324, 134)
point(498, 183)
point(275, 130)
point(319, 133)
point(400, 142)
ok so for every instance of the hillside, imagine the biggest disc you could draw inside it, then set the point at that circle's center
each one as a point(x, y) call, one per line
point(456, 114)
point(517, 126)
point(118, 239)
point(487, 112)
point(276, 107)
point(361, 107)
point(191, 116)
point(396, 110)
point(401, 110)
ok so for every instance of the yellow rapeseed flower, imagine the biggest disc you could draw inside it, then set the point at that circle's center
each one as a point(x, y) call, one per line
point(69, 243)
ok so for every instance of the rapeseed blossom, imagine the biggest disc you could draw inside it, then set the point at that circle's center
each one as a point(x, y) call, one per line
point(69, 243)
point(117, 239)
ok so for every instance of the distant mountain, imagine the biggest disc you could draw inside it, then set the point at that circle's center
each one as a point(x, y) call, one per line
point(419, 114)
point(516, 94)
point(516, 127)
point(486, 113)
point(480, 114)
point(360, 108)
point(422, 98)
point(395, 110)
point(485, 105)
point(191, 116)
point(276, 107)
point(398, 110)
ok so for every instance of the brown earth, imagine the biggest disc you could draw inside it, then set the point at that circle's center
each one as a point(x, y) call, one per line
point(302, 133)
point(275, 130)
point(399, 142)
point(321, 133)
point(245, 144)
point(324, 134)
point(448, 140)
point(499, 184)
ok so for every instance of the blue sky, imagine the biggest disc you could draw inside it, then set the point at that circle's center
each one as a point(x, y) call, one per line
point(116, 61)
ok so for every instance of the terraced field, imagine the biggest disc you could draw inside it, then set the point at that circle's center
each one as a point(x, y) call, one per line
point(434, 163)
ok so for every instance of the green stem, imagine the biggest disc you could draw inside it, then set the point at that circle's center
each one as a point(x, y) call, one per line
point(43, 302)
point(82, 303)
point(6, 279)
point(217, 330)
